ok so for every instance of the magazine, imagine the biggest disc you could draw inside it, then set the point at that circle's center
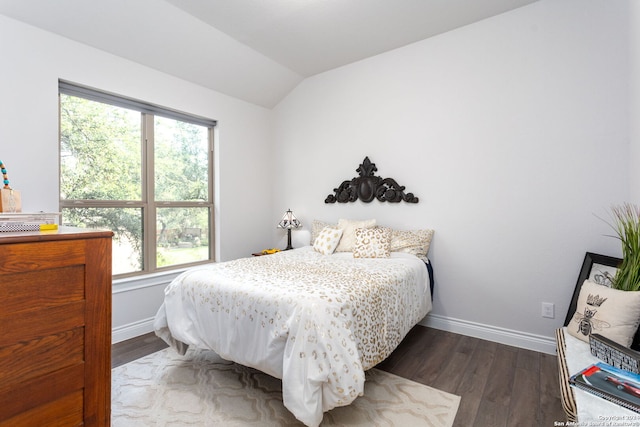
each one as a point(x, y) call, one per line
point(610, 383)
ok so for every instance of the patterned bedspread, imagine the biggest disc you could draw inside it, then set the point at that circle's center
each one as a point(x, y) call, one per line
point(315, 321)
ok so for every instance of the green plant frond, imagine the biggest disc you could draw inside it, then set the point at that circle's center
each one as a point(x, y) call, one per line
point(626, 218)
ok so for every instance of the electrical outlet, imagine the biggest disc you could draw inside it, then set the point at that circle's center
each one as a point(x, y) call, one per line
point(548, 310)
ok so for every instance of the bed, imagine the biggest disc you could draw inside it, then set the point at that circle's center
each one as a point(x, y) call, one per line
point(315, 320)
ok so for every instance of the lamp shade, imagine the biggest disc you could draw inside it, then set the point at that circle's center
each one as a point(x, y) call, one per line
point(289, 221)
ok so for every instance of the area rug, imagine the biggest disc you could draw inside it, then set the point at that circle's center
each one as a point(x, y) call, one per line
point(202, 389)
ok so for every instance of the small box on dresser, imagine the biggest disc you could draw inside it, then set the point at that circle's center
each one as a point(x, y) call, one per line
point(55, 339)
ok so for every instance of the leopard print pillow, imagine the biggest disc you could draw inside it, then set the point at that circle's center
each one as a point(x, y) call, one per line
point(372, 243)
point(414, 242)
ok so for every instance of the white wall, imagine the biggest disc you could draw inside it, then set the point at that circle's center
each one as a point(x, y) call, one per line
point(32, 63)
point(634, 91)
point(513, 132)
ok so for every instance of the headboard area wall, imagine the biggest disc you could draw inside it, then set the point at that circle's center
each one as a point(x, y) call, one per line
point(513, 162)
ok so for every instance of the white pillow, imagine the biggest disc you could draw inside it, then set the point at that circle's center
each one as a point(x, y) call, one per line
point(612, 313)
point(348, 240)
point(372, 243)
point(327, 240)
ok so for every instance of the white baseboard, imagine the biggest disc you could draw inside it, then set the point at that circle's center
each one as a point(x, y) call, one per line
point(132, 330)
point(492, 333)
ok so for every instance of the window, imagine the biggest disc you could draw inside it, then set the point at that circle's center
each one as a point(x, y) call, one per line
point(144, 172)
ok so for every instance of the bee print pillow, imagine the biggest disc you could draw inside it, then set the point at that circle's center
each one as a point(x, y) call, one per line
point(606, 311)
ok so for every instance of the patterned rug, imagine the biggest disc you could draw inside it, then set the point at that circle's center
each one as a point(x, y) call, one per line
point(201, 389)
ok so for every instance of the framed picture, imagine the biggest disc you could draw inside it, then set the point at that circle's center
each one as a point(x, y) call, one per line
point(597, 268)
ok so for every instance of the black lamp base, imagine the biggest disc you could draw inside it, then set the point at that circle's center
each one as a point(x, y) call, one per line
point(288, 240)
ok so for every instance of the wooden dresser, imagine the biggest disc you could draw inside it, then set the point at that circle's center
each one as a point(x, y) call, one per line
point(55, 328)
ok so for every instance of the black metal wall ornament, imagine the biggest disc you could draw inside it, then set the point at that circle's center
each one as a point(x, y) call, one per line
point(367, 186)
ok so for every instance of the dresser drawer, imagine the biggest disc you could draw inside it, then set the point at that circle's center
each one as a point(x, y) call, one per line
point(35, 290)
point(27, 360)
point(64, 412)
point(22, 257)
point(55, 312)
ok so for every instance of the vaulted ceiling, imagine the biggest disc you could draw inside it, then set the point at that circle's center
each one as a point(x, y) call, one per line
point(255, 50)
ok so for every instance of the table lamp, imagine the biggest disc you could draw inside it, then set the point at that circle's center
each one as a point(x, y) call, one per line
point(288, 222)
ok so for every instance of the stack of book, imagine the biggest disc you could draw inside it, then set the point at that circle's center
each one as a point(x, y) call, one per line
point(29, 221)
point(608, 382)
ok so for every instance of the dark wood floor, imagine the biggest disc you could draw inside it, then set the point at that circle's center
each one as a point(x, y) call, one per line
point(500, 385)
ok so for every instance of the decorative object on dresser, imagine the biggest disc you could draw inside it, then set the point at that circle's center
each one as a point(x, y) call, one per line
point(55, 345)
point(288, 222)
point(10, 200)
point(367, 186)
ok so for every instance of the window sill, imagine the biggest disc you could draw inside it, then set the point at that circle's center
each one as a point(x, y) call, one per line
point(148, 280)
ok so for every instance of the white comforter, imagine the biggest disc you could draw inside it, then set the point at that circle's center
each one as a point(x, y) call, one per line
point(315, 321)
